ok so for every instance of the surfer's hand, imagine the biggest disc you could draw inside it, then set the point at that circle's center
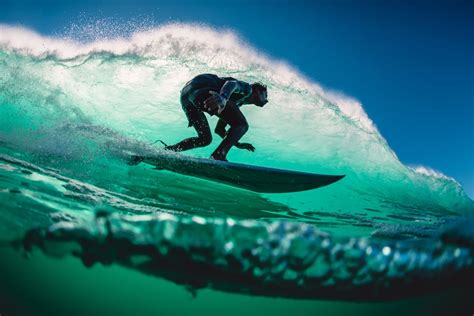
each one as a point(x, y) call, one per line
point(215, 101)
point(247, 146)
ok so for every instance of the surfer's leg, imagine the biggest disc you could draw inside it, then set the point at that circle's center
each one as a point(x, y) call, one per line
point(238, 127)
point(198, 120)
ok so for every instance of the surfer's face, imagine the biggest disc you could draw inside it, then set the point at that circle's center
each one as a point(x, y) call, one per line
point(261, 98)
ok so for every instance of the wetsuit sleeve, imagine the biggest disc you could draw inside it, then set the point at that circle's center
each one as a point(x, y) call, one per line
point(235, 86)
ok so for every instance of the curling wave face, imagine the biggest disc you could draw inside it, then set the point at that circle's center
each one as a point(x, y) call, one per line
point(72, 112)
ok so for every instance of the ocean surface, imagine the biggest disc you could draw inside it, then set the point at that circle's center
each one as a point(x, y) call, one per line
point(71, 113)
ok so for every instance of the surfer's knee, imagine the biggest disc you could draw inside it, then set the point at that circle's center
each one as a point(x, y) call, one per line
point(204, 134)
point(207, 140)
point(204, 140)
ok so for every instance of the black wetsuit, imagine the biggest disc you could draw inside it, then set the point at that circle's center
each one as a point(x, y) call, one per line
point(192, 101)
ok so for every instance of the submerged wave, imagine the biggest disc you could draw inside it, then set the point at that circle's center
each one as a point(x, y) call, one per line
point(276, 259)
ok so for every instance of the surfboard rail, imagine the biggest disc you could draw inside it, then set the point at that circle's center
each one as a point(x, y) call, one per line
point(249, 177)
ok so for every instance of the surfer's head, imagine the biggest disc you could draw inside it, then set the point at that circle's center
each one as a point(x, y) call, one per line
point(259, 95)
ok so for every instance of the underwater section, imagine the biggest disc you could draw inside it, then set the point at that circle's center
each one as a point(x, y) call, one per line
point(274, 259)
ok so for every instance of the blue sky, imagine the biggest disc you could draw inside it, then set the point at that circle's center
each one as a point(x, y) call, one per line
point(411, 64)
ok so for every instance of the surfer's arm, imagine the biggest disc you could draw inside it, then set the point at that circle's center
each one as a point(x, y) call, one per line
point(235, 86)
point(222, 132)
point(220, 128)
point(246, 146)
point(219, 100)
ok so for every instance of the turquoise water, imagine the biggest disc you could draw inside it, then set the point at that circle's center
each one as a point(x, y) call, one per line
point(72, 112)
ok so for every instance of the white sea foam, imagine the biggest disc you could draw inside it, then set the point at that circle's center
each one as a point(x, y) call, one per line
point(221, 49)
point(427, 171)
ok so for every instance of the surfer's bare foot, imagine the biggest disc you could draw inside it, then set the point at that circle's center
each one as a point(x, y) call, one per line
point(134, 160)
point(218, 158)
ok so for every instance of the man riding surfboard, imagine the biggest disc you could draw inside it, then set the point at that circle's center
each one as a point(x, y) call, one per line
point(222, 97)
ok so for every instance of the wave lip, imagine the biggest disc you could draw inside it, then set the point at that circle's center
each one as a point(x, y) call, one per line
point(216, 48)
point(427, 171)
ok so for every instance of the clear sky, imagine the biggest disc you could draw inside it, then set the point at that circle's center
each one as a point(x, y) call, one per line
point(410, 63)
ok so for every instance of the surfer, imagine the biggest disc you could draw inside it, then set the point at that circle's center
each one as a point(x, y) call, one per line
point(221, 96)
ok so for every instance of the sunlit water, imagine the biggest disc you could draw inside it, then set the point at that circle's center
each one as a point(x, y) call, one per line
point(71, 112)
